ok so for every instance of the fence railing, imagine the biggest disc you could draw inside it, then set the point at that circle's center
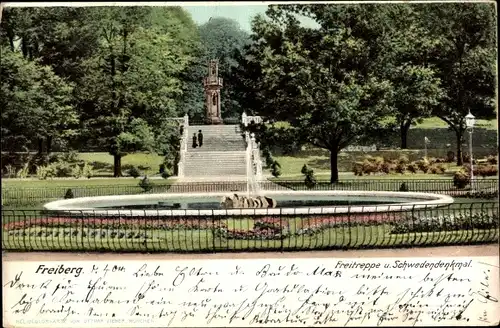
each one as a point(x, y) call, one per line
point(450, 225)
point(12, 196)
point(445, 186)
point(227, 120)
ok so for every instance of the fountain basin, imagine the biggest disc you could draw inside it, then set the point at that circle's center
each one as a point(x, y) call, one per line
point(289, 202)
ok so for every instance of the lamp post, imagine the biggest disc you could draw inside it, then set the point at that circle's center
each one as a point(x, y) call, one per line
point(470, 120)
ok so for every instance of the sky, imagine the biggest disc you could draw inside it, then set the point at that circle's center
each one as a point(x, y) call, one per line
point(243, 14)
point(240, 12)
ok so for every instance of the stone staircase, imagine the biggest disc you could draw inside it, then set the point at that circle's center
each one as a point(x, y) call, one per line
point(221, 156)
point(217, 138)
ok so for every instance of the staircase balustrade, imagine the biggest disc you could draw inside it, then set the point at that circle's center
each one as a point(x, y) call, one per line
point(184, 143)
point(246, 120)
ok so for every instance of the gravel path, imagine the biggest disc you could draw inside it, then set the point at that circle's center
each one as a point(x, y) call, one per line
point(444, 251)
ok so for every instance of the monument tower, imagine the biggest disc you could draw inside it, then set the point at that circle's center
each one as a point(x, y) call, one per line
point(213, 84)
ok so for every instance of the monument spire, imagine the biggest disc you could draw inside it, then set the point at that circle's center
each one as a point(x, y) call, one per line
point(213, 84)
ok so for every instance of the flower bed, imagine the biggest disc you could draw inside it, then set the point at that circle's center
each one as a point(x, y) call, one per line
point(117, 223)
point(263, 229)
point(481, 220)
point(316, 224)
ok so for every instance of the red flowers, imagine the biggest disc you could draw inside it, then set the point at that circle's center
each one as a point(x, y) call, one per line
point(312, 225)
point(263, 228)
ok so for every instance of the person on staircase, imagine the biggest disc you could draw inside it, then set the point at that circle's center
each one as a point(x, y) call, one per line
point(195, 142)
point(200, 138)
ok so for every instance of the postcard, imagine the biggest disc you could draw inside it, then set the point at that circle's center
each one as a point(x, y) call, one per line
point(249, 164)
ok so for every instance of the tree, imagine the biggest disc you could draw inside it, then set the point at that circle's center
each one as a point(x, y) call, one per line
point(465, 62)
point(36, 104)
point(131, 84)
point(321, 81)
point(178, 23)
point(168, 144)
point(406, 62)
point(58, 38)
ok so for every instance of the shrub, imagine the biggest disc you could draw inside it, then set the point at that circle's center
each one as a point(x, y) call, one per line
point(69, 194)
point(378, 161)
point(60, 169)
point(166, 174)
point(88, 170)
point(44, 172)
point(461, 179)
point(266, 153)
point(432, 160)
point(403, 159)
point(441, 168)
point(357, 169)
point(486, 170)
point(450, 157)
point(269, 161)
point(76, 172)
point(145, 184)
point(386, 168)
point(69, 157)
point(413, 168)
point(23, 172)
point(403, 187)
point(492, 160)
point(10, 171)
point(276, 169)
point(310, 179)
point(304, 169)
point(423, 165)
point(400, 168)
point(434, 169)
point(134, 172)
point(369, 167)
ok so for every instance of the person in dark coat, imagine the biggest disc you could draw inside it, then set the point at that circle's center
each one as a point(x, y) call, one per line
point(195, 143)
point(200, 138)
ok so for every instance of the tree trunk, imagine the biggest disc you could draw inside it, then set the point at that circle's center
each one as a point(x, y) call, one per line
point(40, 146)
point(333, 166)
point(403, 129)
point(117, 169)
point(49, 145)
point(459, 135)
point(24, 47)
point(11, 42)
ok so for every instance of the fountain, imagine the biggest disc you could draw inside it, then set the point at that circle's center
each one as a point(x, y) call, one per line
point(278, 202)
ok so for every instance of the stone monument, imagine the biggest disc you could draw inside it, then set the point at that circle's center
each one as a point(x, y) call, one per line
point(213, 84)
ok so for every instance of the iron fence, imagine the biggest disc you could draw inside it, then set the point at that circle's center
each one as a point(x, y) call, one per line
point(12, 196)
point(58, 231)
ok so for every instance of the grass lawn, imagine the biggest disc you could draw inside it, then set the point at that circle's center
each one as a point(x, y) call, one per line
point(147, 162)
point(82, 182)
point(431, 123)
point(435, 122)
